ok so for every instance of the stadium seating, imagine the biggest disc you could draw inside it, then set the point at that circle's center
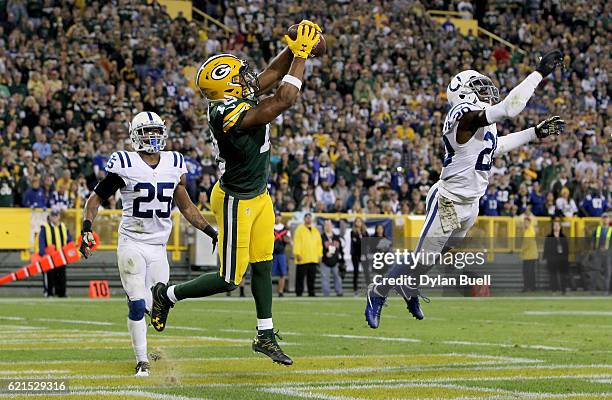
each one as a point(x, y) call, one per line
point(64, 112)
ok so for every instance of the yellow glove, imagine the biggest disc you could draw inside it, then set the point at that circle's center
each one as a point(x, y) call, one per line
point(312, 24)
point(306, 39)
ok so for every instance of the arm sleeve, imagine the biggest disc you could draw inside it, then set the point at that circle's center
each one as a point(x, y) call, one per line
point(514, 140)
point(516, 100)
point(109, 185)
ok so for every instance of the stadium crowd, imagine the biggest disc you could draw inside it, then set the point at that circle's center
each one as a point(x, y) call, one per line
point(365, 135)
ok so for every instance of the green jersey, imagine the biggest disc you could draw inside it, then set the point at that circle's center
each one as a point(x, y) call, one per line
point(244, 154)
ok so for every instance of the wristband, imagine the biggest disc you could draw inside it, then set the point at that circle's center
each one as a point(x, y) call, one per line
point(86, 226)
point(210, 231)
point(292, 80)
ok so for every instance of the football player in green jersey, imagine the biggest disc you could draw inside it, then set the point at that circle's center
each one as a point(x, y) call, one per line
point(240, 200)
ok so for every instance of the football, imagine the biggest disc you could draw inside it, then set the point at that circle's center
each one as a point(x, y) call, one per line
point(319, 49)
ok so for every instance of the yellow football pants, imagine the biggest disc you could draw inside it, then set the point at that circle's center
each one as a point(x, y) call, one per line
point(246, 231)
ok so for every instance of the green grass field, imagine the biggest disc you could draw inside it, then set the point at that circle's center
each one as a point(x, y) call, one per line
point(502, 348)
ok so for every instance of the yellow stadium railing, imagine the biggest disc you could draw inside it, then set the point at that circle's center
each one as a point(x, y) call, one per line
point(210, 20)
point(493, 37)
point(464, 22)
point(497, 233)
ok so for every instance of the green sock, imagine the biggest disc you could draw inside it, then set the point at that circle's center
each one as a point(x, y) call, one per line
point(261, 286)
point(202, 286)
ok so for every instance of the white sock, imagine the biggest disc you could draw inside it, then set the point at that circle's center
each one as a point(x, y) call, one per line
point(263, 324)
point(170, 294)
point(138, 332)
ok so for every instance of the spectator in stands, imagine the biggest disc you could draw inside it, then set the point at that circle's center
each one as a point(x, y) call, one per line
point(488, 202)
point(54, 235)
point(566, 206)
point(529, 252)
point(556, 254)
point(595, 203)
point(601, 270)
point(307, 250)
point(358, 232)
point(282, 238)
point(537, 200)
point(332, 260)
point(34, 196)
point(448, 26)
point(60, 199)
point(7, 187)
point(550, 208)
point(69, 76)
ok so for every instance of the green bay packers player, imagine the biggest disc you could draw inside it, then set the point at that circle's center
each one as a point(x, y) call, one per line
point(240, 201)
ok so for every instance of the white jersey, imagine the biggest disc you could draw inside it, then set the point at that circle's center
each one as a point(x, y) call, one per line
point(467, 167)
point(147, 195)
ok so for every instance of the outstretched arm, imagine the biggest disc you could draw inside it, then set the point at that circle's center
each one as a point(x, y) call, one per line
point(286, 95)
point(106, 188)
point(551, 126)
point(191, 212)
point(279, 66)
point(513, 104)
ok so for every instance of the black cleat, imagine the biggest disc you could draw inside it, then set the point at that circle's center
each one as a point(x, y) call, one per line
point(142, 369)
point(265, 343)
point(414, 306)
point(161, 306)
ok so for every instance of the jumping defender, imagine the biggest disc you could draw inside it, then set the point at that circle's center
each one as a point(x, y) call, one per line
point(240, 201)
point(149, 180)
point(471, 141)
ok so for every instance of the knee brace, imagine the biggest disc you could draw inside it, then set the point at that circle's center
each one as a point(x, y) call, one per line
point(137, 309)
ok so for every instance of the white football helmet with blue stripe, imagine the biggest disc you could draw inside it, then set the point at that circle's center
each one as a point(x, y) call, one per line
point(471, 86)
point(148, 132)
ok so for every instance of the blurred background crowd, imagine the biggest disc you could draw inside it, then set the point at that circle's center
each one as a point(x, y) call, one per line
point(365, 135)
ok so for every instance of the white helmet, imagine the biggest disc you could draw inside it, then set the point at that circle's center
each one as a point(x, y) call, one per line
point(148, 132)
point(471, 86)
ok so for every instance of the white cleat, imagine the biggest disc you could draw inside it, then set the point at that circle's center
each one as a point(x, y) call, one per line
point(142, 369)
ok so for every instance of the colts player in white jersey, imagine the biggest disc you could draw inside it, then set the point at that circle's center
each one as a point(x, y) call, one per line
point(471, 141)
point(149, 180)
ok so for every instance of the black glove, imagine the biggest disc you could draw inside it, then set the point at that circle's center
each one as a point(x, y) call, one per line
point(87, 239)
point(551, 126)
point(549, 62)
point(210, 231)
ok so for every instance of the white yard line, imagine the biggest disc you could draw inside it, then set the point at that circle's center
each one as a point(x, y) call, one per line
point(452, 342)
point(516, 345)
point(34, 371)
point(379, 338)
point(517, 360)
point(306, 391)
point(120, 392)
point(569, 313)
point(75, 321)
point(321, 357)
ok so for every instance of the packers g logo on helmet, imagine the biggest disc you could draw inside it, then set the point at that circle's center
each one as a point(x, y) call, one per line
point(226, 75)
point(221, 71)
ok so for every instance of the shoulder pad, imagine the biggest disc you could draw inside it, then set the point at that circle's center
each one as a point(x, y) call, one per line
point(178, 161)
point(455, 114)
point(118, 162)
point(229, 112)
